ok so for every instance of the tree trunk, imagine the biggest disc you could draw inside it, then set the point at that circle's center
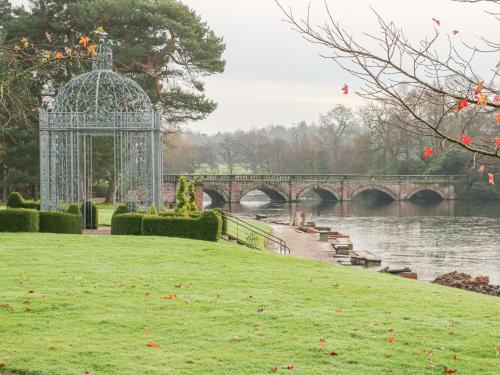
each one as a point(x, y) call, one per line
point(111, 193)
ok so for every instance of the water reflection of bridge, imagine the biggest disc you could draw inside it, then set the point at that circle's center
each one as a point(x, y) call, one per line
point(292, 188)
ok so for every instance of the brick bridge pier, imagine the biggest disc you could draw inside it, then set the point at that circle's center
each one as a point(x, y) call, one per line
point(291, 188)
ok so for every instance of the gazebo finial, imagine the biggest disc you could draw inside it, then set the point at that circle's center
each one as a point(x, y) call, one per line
point(103, 60)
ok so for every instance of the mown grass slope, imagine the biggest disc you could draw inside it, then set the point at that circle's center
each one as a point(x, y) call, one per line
point(70, 304)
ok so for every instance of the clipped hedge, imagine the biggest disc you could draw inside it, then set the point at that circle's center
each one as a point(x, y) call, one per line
point(18, 220)
point(73, 209)
point(206, 227)
point(60, 222)
point(16, 200)
point(90, 214)
point(127, 224)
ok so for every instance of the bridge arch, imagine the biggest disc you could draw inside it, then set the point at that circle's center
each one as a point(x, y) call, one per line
point(324, 193)
point(421, 189)
point(393, 195)
point(216, 195)
point(274, 194)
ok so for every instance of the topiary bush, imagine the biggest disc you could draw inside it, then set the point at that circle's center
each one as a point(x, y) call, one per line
point(60, 222)
point(16, 200)
point(73, 209)
point(207, 226)
point(152, 210)
point(18, 220)
point(121, 209)
point(127, 224)
point(218, 211)
point(90, 214)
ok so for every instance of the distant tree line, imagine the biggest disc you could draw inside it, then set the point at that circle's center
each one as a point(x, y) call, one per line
point(368, 140)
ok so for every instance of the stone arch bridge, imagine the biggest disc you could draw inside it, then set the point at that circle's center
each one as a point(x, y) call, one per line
point(291, 188)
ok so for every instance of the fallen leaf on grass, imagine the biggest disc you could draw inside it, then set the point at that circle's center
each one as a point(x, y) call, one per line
point(339, 309)
point(428, 352)
point(456, 357)
point(431, 364)
point(387, 355)
point(146, 294)
point(289, 367)
point(27, 309)
point(274, 369)
point(260, 310)
point(146, 331)
point(391, 339)
point(333, 354)
point(31, 291)
point(236, 338)
point(449, 371)
point(178, 286)
point(391, 330)
point(335, 286)
point(153, 345)
point(2, 364)
point(170, 297)
point(497, 350)
point(41, 297)
point(322, 343)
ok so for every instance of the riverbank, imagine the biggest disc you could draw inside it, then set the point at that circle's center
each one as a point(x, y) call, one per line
point(78, 303)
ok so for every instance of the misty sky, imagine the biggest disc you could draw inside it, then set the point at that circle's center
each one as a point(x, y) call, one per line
point(273, 76)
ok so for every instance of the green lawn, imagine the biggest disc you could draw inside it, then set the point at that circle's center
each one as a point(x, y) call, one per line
point(70, 304)
point(245, 234)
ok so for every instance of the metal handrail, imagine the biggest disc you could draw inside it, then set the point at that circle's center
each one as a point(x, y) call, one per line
point(283, 248)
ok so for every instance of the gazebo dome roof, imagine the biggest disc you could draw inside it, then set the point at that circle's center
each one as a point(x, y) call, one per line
point(102, 90)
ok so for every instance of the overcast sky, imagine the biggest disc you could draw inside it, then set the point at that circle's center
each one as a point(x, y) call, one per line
point(273, 76)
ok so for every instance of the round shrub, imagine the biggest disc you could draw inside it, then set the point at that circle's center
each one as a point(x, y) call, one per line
point(90, 215)
point(60, 222)
point(127, 224)
point(73, 209)
point(15, 200)
point(121, 209)
point(18, 220)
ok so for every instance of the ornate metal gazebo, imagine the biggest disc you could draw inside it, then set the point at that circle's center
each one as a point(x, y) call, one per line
point(100, 103)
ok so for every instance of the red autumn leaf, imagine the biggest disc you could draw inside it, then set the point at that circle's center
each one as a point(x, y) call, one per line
point(449, 371)
point(427, 152)
point(455, 32)
point(391, 339)
point(497, 141)
point(437, 21)
point(345, 89)
point(496, 99)
point(153, 345)
point(333, 354)
point(322, 343)
point(170, 297)
point(274, 369)
point(479, 87)
point(491, 179)
point(481, 168)
point(466, 139)
point(289, 367)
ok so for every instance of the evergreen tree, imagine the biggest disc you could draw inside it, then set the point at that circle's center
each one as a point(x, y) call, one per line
point(192, 196)
point(182, 206)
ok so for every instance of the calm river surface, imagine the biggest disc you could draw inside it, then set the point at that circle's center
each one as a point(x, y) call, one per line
point(429, 238)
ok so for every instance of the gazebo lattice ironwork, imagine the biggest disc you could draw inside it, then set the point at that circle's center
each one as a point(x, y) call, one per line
point(100, 103)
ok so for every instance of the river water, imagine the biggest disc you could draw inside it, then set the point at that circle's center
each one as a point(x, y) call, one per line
point(430, 238)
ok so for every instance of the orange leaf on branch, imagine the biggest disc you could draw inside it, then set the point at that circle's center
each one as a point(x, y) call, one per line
point(497, 117)
point(92, 50)
point(491, 178)
point(84, 41)
point(497, 141)
point(481, 168)
point(345, 89)
point(479, 87)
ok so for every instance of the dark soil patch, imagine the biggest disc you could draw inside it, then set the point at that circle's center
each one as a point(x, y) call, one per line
point(465, 281)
